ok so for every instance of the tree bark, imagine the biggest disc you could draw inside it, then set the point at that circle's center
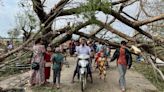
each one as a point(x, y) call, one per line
point(38, 8)
point(112, 30)
point(150, 20)
point(133, 24)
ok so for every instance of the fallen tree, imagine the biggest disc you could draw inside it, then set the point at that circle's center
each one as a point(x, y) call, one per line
point(47, 19)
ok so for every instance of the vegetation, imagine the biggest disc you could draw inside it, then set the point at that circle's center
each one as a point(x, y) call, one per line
point(89, 8)
point(147, 22)
point(8, 71)
point(11, 68)
point(148, 72)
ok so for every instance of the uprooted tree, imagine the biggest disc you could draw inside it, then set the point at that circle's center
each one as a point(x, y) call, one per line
point(147, 25)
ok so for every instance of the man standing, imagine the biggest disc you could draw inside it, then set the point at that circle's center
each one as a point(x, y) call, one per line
point(82, 49)
point(124, 61)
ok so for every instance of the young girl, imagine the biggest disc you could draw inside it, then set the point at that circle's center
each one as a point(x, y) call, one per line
point(57, 60)
point(101, 66)
point(47, 58)
point(98, 55)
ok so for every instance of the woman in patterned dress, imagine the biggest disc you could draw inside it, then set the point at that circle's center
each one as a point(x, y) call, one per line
point(37, 76)
point(101, 66)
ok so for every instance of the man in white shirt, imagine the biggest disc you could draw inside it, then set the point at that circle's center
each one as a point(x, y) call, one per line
point(82, 49)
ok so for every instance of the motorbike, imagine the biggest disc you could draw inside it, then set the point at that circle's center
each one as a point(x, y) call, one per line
point(83, 63)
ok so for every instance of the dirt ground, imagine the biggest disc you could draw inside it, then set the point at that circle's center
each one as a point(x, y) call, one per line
point(135, 81)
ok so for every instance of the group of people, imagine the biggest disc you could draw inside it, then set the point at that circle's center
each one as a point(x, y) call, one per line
point(98, 52)
point(124, 62)
point(42, 60)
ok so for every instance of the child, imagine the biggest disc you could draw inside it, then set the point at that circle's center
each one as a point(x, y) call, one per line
point(98, 55)
point(47, 58)
point(57, 60)
point(101, 65)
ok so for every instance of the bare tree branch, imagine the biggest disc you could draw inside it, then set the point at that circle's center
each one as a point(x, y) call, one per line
point(150, 20)
point(142, 8)
point(55, 11)
point(119, 2)
point(98, 30)
point(116, 15)
point(97, 39)
point(129, 16)
point(43, 2)
point(109, 28)
point(70, 32)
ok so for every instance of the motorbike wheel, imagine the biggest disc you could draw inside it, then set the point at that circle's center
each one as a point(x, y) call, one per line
point(83, 83)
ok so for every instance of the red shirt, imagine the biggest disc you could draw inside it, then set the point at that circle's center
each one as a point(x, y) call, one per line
point(122, 57)
point(47, 57)
point(98, 55)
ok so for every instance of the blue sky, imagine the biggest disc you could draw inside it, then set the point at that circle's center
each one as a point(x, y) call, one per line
point(7, 15)
point(11, 9)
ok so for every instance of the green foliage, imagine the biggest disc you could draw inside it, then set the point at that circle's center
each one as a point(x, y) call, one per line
point(89, 8)
point(148, 72)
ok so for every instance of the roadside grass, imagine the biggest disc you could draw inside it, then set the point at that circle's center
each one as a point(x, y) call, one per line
point(148, 72)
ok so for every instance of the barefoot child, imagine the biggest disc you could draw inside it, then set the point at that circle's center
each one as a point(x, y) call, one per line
point(57, 60)
point(102, 66)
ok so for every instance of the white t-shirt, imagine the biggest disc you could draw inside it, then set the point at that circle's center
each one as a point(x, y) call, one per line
point(10, 46)
point(83, 50)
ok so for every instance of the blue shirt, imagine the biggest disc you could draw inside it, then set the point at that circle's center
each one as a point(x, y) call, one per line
point(57, 60)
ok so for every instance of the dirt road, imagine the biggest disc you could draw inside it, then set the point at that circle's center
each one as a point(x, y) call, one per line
point(135, 81)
